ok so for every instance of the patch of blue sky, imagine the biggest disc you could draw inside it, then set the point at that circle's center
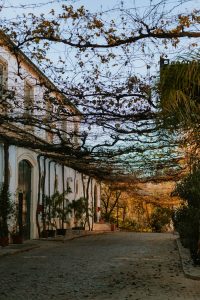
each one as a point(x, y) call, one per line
point(140, 9)
point(142, 63)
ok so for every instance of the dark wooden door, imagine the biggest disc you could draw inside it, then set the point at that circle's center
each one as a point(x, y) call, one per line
point(24, 197)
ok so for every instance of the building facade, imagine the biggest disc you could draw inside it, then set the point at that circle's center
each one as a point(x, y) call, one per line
point(34, 177)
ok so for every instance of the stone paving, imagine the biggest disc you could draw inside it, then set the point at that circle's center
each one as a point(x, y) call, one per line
point(189, 269)
point(118, 266)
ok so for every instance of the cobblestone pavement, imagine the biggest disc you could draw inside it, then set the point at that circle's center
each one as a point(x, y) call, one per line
point(116, 266)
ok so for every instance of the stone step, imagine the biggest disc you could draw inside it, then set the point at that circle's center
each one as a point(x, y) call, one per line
point(102, 226)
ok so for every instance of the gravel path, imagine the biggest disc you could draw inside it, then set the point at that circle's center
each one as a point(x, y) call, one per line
point(116, 266)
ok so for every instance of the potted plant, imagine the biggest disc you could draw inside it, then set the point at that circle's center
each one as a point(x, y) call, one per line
point(57, 213)
point(50, 224)
point(6, 210)
point(62, 214)
point(79, 208)
point(63, 211)
point(17, 237)
point(16, 231)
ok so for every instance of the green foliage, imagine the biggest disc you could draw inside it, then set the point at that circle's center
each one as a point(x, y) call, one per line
point(57, 206)
point(128, 224)
point(160, 217)
point(80, 208)
point(6, 210)
point(186, 222)
point(189, 189)
point(179, 90)
point(14, 229)
point(186, 218)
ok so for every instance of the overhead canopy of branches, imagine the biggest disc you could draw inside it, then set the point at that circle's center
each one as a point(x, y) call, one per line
point(92, 58)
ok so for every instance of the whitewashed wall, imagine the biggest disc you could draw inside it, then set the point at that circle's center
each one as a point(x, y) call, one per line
point(17, 154)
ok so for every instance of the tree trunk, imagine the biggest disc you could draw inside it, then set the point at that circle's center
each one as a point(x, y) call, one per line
point(38, 200)
point(63, 200)
point(43, 196)
point(4, 195)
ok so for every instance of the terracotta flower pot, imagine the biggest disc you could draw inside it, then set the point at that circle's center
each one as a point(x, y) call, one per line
point(51, 232)
point(61, 231)
point(4, 241)
point(17, 239)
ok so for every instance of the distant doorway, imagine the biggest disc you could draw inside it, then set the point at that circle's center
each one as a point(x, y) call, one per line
point(24, 197)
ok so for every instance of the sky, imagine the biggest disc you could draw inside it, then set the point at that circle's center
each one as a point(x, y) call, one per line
point(12, 8)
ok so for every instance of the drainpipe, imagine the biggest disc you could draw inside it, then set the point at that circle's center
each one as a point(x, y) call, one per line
point(117, 213)
point(87, 203)
point(49, 185)
point(75, 186)
point(55, 182)
point(49, 182)
point(43, 197)
point(83, 184)
point(38, 200)
point(63, 186)
point(92, 197)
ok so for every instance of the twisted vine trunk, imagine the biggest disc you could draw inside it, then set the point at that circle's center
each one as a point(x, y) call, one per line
point(38, 200)
point(86, 197)
point(4, 194)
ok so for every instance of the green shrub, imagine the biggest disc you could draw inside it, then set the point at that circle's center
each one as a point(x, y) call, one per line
point(186, 218)
point(160, 217)
point(129, 225)
point(186, 222)
point(6, 210)
point(189, 189)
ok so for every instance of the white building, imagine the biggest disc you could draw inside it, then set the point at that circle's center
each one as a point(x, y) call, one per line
point(33, 176)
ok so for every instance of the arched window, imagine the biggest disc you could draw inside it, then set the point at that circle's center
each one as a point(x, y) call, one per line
point(28, 98)
point(3, 83)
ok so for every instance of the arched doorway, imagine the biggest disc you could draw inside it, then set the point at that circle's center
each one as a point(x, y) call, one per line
point(24, 197)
